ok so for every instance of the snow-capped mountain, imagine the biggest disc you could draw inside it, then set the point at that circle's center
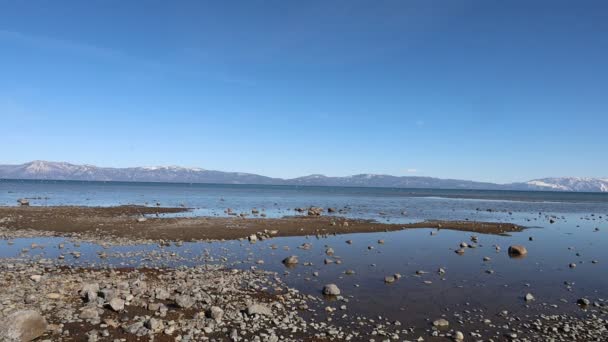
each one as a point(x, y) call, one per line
point(65, 171)
point(571, 184)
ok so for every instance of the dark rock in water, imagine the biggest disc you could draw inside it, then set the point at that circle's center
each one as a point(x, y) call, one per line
point(517, 251)
point(441, 323)
point(315, 211)
point(583, 301)
point(290, 260)
point(331, 290)
point(305, 246)
point(389, 279)
point(23, 325)
point(331, 210)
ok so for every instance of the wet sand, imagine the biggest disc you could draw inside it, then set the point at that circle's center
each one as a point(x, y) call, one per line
point(139, 222)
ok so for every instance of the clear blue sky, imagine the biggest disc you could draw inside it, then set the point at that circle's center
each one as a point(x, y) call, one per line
point(485, 90)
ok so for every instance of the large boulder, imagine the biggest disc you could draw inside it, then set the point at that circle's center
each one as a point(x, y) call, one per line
point(290, 260)
point(22, 326)
point(331, 290)
point(517, 251)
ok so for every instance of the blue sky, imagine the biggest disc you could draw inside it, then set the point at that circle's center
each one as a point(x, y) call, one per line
point(486, 90)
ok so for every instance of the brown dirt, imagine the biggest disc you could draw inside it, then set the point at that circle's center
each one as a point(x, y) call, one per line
point(122, 221)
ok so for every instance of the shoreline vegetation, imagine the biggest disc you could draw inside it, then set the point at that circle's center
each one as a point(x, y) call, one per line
point(138, 223)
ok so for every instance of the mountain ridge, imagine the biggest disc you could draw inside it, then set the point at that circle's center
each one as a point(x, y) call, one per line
point(47, 170)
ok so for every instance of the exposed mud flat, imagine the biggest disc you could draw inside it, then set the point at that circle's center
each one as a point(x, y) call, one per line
point(147, 223)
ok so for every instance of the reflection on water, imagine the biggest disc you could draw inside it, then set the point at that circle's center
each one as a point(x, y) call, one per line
point(496, 284)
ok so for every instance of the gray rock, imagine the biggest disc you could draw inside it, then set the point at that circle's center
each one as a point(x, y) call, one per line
point(291, 260)
point(529, 297)
point(23, 325)
point(162, 294)
point(517, 250)
point(331, 290)
point(389, 279)
point(441, 323)
point(259, 309)
point(216, 313)
point(89, 312)
point(134, 328)
point(117, 304)
point(155, 324)
point(184, 301)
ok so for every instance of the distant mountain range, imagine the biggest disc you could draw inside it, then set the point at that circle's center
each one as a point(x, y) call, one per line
point(66, 171)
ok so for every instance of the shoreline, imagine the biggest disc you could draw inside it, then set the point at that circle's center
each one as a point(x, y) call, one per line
point(221, 295)
point(139, 223)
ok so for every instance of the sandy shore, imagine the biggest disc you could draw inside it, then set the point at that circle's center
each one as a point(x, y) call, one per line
point(129, 222)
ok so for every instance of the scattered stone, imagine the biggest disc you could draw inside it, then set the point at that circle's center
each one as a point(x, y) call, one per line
point(517, 250)
point(89, 312)
point(259, 309)
point(441, 323)
point(290, 260)
point(117, 304)
point(529, 297)
point(389, 279)
point(583, 301)
point(216, 313)
point(184, 301)
point(331, 290)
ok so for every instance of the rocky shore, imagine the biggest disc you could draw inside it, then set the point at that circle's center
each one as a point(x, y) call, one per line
point(185, 304)
point(220, 296)
point(43, 302)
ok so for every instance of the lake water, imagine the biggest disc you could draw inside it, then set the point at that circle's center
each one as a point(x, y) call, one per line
point(382, 204)
point(467, 291)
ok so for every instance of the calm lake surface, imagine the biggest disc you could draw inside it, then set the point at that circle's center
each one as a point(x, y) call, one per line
point(470, 286)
